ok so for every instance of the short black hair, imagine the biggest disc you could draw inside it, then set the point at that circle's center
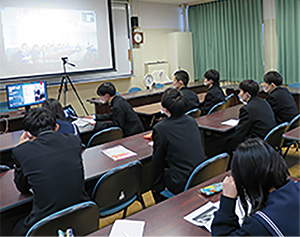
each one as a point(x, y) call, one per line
point(182, 76)
point(174, 101)
point(257, 168)
point(106, 88)
point(273, 77)
point(250, 86)
point(38, 120)
point(55, 107)
point(213, 75)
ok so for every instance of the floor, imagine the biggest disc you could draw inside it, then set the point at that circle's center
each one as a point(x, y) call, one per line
point(292, 159)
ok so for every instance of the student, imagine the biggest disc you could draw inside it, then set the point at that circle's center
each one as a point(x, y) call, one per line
point(256, 117)
point(49, 164)
point(280, 99)
point(177, 147)
point(181, 79)
point(260, 176)
point(215, 93)
point(64, 126)
point(121, 114)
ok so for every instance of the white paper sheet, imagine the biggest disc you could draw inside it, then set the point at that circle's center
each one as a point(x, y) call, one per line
point(126, 228)
point(231, 122)
point(84, 124)
point(118, 152)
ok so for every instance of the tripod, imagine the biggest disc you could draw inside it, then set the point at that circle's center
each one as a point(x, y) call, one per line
point(64, 83)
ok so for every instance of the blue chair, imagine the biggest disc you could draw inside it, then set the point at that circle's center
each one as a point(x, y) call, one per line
point(228, 100)
point(117, 189)
point(294, 85)
point(134, 89)
point(205, 171)
point(217, 107)
point(83, 218)
point(105, 135)
point(274, 137)
point(195, 113)
point(158, 85)
point(294, 123)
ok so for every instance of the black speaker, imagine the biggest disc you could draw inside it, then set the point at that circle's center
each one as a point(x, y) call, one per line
point(134, 21)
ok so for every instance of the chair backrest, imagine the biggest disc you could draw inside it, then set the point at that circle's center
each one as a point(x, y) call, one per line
point(83, 218)
point(118, 188)
point(105, 135)
point(274, 137)
point(208, 169)
point(4, 168)
point(159, 85)
point(134, 89)
point(195, 113)
point(217, 107)
point(294, 85)
point(228, 100)
point(294, 123)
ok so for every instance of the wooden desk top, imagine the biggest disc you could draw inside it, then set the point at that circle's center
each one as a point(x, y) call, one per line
point(10, 140)
point(166, 218)
point(293, 134)
point(95, 164)
point(17, 114)
point(213, 121)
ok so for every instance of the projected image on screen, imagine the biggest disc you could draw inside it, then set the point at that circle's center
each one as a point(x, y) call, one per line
point(35, 39)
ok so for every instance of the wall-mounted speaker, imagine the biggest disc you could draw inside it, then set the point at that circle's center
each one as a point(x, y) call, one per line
point(134, 21)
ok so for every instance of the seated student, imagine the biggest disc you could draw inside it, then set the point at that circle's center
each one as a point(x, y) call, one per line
point(256, 117)
point(64, 126)
point(121, 115)
point(215, 93)
point(49, 164)
point(181, 79)
point(177, 147)
point(280, 99)
point(260, 176)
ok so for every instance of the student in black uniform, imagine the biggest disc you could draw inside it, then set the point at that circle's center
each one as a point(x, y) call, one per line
point(177, 147)
point(280, 99)
point(215, 93)
point(181, 79)
point(121, 115)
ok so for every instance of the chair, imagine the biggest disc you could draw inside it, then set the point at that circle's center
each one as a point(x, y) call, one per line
point(158, 85)
point(294, 123)
point(4, 168)
point(83, 218)
point(294, 85)
point(274, 137)
point(134, 89)
point(205, 171)
point(217, 107)
point(228, 100)
point(105, 135)
point(195, 113)
point(117, 189)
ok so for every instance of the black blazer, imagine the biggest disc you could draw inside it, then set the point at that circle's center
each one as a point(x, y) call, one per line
point(214, 95)
point(256, 120)
point(177, 151)
point(122, 115)
point(192, 99)
point(283, 104)
point(51, 166)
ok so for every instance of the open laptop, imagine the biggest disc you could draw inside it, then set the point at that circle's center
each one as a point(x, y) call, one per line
point(70, 113)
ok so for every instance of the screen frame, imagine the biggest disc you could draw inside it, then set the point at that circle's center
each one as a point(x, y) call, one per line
point(29, 104)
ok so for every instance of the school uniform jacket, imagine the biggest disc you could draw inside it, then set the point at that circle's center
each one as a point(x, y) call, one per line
point(214, 95)
point(192, 99)
point(177, 151)
point(283, 104)
point(123, 116)
point(51, 166)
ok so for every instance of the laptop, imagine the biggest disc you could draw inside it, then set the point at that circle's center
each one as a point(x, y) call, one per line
point(70, 113)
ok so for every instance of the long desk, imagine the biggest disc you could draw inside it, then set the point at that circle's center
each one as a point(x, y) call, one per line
point(14, 205)
point(13, 122)
point(166, 218)
point(293, 134)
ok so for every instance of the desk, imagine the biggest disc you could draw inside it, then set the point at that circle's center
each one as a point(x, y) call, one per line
point(166, 218)
point(14, 121)
point(293, 134)
point(13, 204)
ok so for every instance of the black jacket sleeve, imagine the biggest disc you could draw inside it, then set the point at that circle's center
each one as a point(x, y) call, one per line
point(19, 179)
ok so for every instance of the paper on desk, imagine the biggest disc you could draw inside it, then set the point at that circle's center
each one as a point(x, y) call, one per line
point(84, 124)
point(127, 228)
point(150, 143)
point(231, 122)
point(118, 152)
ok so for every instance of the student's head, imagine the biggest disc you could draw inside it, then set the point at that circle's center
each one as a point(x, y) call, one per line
point(55, 107)
point(105, 91)
point(272, 79)
point(181, 78)
point(211, 77)
point(38, 120)
point(248, 88)
point(174, 101)
point(257, 169)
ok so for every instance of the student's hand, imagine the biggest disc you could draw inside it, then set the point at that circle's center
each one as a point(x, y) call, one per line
point(26, 136)
point(229, 188)
point(89, 117)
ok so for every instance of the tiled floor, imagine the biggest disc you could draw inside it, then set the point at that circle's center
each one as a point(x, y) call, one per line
point(293, 162)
